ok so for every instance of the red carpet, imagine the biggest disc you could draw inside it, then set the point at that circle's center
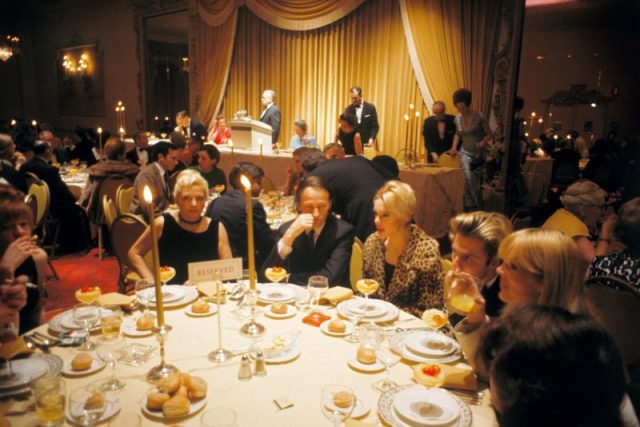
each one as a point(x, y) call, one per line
point(76, 271)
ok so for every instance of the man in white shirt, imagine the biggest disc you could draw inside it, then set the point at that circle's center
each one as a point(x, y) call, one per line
point(271, 114)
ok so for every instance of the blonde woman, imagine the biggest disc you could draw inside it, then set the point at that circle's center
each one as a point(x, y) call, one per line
point(583, 205)
point(184, 236)
point(400, 256)
point(537, 267)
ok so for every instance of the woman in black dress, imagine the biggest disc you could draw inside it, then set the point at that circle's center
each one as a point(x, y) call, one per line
point(347, 135)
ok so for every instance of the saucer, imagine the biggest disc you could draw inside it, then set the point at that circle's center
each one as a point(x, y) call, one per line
point(96, 365)
point(354, 363)
point(291, 311)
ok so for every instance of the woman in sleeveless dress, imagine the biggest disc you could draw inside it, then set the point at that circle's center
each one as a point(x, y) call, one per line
point(347, 135)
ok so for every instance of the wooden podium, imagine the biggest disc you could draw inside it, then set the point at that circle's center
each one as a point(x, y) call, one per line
point(247, 134)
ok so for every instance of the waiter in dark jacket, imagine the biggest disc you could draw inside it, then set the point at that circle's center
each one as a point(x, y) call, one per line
point(438, 132)
point(365, 113)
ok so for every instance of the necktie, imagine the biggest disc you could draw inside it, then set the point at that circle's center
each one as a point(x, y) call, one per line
point(312, 238)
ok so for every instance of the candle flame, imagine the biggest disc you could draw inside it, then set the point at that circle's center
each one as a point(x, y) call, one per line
point(246, 183)
point(13, 122)
point(417, 113)
point(411, 106)
point(121, 130)
point(99, 130)
point(146, 194)
point(33, 123)
point(406, 117)
point(230, 143)
point(533, 114)
point(119, 103)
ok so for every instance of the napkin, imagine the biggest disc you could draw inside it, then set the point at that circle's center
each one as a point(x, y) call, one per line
point(114, 298)
point(459, 376)
point(208, 289)
point(336, 294)
point(13, 348)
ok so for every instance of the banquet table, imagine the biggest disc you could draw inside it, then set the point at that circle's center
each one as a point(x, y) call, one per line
point(438, 190)
point(537, 175)
point(323, 361)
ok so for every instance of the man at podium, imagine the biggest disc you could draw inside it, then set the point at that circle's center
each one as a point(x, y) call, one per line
point(271, 114)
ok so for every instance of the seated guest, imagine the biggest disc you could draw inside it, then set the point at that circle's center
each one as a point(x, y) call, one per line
point(220, 133)
point(208, 159)
point(388, 163)
point(583, 203)
point(139, 155)
point(58, 154)
point(231, 210)
point(156, 176)
point(180, 142)
point(475, 238)
point(334, 150)
point(13, 298)
point(295, 175)
point(190, 126)
point(190, 156)
point(316, 242)
point(301, 137)
point(348, 136)
point(538, 267)
point(114, 165)
point(10, 163)
point(84, 149)
point(401, 257)
point(626, 264)
point(549, 367)
point(184, 236)
point(19, 255)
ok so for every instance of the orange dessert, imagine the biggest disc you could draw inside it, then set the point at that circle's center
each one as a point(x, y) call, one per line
point(88, 294)
point(435, 318)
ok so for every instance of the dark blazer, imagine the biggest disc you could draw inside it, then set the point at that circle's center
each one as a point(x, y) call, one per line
point(353, 182)
point(432, 141)
point(493, 304)
point(231, 210)
point(132, 156)
point(330, 257)
point(150, 175)
point(62, 201)
point(368, 126)
point(195, 128)
point(13, 176)
point(272, 117)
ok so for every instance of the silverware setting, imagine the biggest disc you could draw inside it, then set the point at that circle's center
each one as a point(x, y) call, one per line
point(470, 397)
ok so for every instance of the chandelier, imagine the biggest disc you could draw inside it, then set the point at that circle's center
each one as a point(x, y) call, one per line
point(8, 46)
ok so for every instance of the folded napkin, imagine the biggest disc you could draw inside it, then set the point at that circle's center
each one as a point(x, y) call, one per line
point(13, 348)
point(459, 376)
point(208, 289)
point(114, 298)
point(336, 294)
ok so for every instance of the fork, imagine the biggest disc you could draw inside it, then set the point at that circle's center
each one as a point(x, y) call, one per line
point(473, 398)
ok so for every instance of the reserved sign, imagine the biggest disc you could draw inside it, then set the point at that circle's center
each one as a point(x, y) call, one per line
point(205, 271)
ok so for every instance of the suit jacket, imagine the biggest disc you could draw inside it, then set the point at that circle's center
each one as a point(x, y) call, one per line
point(432, 141)
point(62, 201)
point(231, 209)
point(368, 126)
point(353, 182)
point(330, 257)
point(493, 304)
point(195, 128)
point(132, 156)
point(150, 175)
point(272, 117)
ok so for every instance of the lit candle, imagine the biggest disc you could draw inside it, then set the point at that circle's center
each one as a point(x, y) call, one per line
point(148, 198)
point(261, 161)
point(415, 141)
point(230, 142)
point(406, 140)
point(122, 132)
point(13, 122)
point(246, 183)
point(35, 125)
point(100, 140)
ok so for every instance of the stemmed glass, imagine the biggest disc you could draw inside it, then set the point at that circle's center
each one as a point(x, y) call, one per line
point(87, 316)
point(109, 354)
point(356, 312)
point(317, 286)
point(143, 295)
point(388, 359)
point(337, 403)
point(460, 290)
point(367, 287)
point(87, 405)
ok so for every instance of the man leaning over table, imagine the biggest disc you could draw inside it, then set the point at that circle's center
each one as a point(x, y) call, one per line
point(316, 242)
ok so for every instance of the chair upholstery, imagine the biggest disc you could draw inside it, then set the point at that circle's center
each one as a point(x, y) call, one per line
point(125, 230)
point(355, 265)
point(40, 194)
point(110, 185)
point(123, 198)
point(109, 210)
point(618, 308)
point(448, 161)
point(31, 201)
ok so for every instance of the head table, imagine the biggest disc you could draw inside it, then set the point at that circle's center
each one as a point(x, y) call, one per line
point(323, 361)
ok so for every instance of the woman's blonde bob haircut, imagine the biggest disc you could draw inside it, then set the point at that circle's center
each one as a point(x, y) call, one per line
point(553, 256)
point(398, 198)
point(190, 178)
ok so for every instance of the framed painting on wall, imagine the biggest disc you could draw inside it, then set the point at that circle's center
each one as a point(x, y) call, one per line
point(80, 81)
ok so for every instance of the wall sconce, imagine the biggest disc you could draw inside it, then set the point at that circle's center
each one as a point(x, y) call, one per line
point(77, 61)
point(8, 46)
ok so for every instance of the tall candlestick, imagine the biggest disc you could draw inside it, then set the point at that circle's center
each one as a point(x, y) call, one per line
point(406, 138)
point(246, 183)
point(261, 161)
point(230, 142)
point(417, 139)
point(148, 198)
point(100, 139)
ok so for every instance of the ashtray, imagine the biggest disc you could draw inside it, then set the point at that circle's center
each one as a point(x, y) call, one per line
point(136, 354)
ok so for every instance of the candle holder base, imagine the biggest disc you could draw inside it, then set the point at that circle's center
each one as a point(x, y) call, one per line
point(252, 329)
point(220, 355)
point(156, 373)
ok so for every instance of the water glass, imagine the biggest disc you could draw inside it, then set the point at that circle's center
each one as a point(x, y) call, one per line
point(86, 316)
point(356, 312)
point(303, 298)
point(87, 405)
point(50, 396)
point(219, 417)
point(109, 354)
point(143, 294)
point(388, 359)
point(110, 322)
point(317, 286)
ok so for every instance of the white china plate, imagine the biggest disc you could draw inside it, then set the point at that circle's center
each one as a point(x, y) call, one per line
point(19, 379)
point(374, 308)
point(275, 292)
point(391, 314)
point(112, 407)
point(389, 415)
point(170, 293)
point(30, 369)
point(189, 294)
point(96, 365)
point(68, 322)
point(130, 329)
point(359, 366)
point(324, 327)
point(443, 409)
point(194, 408)
point(291, 311)
point(287, 356)
point(213, 309)
point(397, 344)
point(361, 408)
point(430, 344)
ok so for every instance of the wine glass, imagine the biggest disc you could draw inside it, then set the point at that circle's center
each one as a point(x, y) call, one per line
point(166, 274)
point(461, 290)
point(87, 405)
point(86, 316)
point(219, 417)
point(337, 403)
point(356, 312)
point(388, 359)
point(275, 274)
point(110, 354)
point(143, 294)
point(317, 286)
point(50, 396)
point(367, 287)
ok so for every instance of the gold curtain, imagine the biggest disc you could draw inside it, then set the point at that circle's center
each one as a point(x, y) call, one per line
point(312, 71)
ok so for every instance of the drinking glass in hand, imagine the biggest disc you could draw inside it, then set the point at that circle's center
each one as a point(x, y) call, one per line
point(461, 290)
point(86, 316)
point(337, 403)
point(50, 395)
point(317, 286)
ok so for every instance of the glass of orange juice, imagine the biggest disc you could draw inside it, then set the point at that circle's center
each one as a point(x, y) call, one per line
point(461, 290)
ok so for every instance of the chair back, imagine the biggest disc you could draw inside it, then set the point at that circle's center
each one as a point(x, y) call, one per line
point(31, 201)
point(448, 161)
point(355, 264)
point(267, 184)
point(40, 191)
point(617, 305)
point(109, 210)
point(125, 230)
point(108, 187)
point(124, 194)
point(31, 178)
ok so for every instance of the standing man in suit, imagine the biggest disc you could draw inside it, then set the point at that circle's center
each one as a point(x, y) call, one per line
point(438, 131)
point(190, 126)
point(231, 209)
point(156, 176)
point(316, 242)
point(139, 156)
point(271, 114)
point(367, 116)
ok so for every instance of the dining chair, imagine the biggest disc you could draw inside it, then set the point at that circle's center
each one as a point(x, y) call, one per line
point(124, 194)
point(125, 230)
point(109, 210)
point(39, 201)
point(107, 187)
point(355, 264)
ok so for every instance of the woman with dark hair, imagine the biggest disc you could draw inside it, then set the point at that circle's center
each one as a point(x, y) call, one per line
point(549, 367)
point(208, 160)
point(347, 135)
point(474, 131)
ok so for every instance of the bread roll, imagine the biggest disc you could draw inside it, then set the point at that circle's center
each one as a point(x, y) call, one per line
point(200, 306)
point(279, 308)
point(81, 362)
point(144, 323)
point(170, 384)
point(197, 387)
point(182, 391)
point(366, 355)
point(337, 325)
point(155, 400)
point(176, 406)
point(95, 401)
point(343, 399)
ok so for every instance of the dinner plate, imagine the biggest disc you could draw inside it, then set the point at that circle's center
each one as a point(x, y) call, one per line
point(291, 311)
point(391, 314)
point(324, 327)
point(286, 356)
point(26, 370)
point(426, 407)
point(170, 293)
point(388, 413)
point(194, 407)
point(397, 344)
point(96, 365)
point(18, 379)
point(374, 308)
point(360, 409)
point(112, 407)
point(430, 344)
point(130, 329)
point(213, 309)
point(68, 322)
point(189, 294)
point(276, 292)
point(359, 366)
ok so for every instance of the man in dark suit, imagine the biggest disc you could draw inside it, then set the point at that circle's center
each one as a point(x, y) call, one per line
point(438, 131)
point(316, 242)
point(271, 114)
point(156, 176)
point(231, 209)
point(367, 116)
point(353, 181)
point(139, 155)
point(190, 126)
